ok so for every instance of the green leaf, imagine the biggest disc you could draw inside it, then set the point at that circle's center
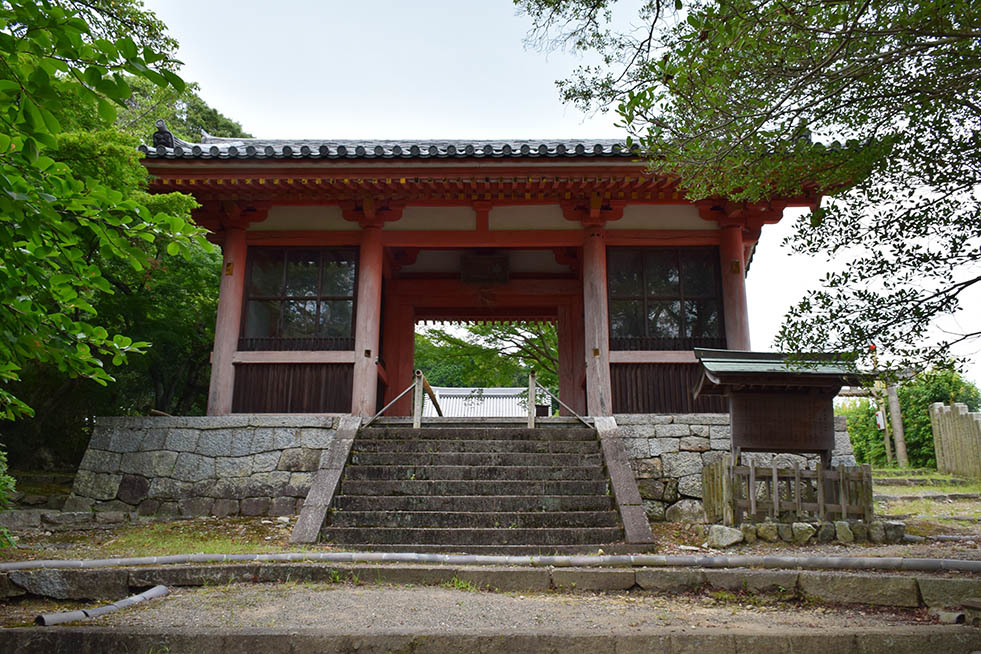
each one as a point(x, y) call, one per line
point(106, 111)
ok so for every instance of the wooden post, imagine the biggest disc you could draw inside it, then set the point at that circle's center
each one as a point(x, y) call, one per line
point(599, 394)
point(417, 401)
point(896, 421)
point(532, 390)
point(820, 491)
point(775, 490)
point(365, 386)
point(230, 297)
point(734, 287)
point(797, 500)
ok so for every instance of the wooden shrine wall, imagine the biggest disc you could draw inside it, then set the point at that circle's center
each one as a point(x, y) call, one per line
point(660, 388)
point(293, 388)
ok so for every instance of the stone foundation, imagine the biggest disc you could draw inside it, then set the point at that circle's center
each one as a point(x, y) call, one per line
point(264, 464)
point(189, 466)
point(667, 453)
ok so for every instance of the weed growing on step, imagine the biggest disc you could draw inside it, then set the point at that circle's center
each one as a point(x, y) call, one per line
point(461, 584)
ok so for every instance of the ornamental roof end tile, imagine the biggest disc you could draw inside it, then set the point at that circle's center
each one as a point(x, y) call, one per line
point(167, 146)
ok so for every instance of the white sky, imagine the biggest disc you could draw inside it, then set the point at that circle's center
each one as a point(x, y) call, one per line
point(423, 69)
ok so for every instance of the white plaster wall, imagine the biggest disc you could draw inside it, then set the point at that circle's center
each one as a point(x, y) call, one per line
point(539, 216)
point(661, 216)
point(320, 217)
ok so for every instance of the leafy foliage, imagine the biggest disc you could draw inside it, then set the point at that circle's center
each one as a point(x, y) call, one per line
point(747, 99)
point(915, 397)
point(6, 490)
point(489, 355)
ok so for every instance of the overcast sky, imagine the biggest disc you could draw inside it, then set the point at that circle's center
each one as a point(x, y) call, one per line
point(424, 69)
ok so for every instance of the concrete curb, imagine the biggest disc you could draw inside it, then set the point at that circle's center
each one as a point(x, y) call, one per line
point(891, 640)
point(832, 587)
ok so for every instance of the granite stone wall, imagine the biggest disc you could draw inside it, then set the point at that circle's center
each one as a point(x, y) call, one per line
point(667, 453)
point(190, 466)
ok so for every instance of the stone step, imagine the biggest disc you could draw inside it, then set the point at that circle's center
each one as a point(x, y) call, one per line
point(449, 473)
point(483, 459)
point(515, 550)
point(472, 503)
point(480, 433)
point(353, 536)
point(367, 443)
point(474, 520)
point(470, 487)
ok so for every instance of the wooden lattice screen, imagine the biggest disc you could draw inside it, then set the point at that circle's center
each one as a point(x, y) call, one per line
point(733, 493)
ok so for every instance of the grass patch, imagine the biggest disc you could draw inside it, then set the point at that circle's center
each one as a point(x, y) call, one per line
point(461, 584)
point(932, 489)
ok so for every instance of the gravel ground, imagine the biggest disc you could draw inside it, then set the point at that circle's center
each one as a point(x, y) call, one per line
point(347, 608)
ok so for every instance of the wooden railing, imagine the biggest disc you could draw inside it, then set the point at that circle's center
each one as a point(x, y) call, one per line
point(420, 386)
point(733, 493)
point(956, 440)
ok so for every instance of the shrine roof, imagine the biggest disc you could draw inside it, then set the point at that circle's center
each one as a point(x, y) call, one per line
point(167, 146)
point(808, 364)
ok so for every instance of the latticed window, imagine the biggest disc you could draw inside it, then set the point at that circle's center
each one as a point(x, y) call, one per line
point(664, 298)
point(299, 299)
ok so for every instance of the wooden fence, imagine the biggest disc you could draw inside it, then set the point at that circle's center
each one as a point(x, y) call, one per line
point(732, 493)
point(956, 439)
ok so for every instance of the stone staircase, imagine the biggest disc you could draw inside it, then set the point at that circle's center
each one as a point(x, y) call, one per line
point(476, 489)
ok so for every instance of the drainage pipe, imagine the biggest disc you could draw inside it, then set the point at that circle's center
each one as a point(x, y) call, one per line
point(564, 561)
point(48, 619)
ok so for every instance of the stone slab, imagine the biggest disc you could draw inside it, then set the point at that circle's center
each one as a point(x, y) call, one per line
point(946, 591)
point(757, 581)
point(102, 584)
point(593, 579)
point(669, 580)
point(844, 588)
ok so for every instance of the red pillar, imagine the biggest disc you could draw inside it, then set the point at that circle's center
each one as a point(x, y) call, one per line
point(365, 388)
point(734, 287)
point(230, 295)
point(597, 327)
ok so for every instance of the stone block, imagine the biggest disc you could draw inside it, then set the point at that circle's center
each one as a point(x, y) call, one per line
point(100, 461)
point(125, 440)
point(265, 461)
point(149, 464)
point(661, 446)
point(224, 508)
point(749, 532)
point(299, 459)
point(757, 581)
point(268, 484)
point(802, 532)
point(195, 506)
point(843, 532)
point(182, 440)
point(133, 489)
point(654, 510)
point(218, 422)
point(169, 509)
point(112, 506)
point(669, 580)
point(690, 486)
point(154, 439)
point(232, 488)
point(672, 431)
point(593, 579)
point(947, 592)
point(164, 488)
point(678, 464)
point(67, 520)
point(299, 484)
point(895, 531)
point(719, 431)
point(786, 532)
point(702, 431)
point(694, 444)
point(877, 532)
point(841, 423)
point(686, 511)
point(637, 448)
point(282, 506)
point(8, 589)
point(194, 467)
point(860, 530)
point(76, 504)
point(254, 506)
point(96, 485)
point(635, 431)
point(225, 442)
point(646, 468)
point(843, 588)
point(720, 536)
point(104, 584)
point(101, 436)
point(843, 445)
point(768, 532)
point(702, 418)
point(317, 439)
point(267, 439)
point(651, 489)
point(148, 507)
point(720, 444)
point(293, 420)
point(111, 517)
point(236, 466)
point(17, 520)
point(712, 456)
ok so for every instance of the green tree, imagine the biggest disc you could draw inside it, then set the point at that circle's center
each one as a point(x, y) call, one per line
point(490, 355)
point(915, 397)
point(750, 99)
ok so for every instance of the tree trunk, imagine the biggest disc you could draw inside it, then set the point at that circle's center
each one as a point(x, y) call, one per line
point(896, 422)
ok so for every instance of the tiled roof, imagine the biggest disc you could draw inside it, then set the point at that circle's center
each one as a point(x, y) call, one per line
point(213, 147)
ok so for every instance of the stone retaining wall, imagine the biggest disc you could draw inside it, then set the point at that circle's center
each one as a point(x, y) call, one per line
point(216, 465)
point(667, 453)
point(263, 464)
